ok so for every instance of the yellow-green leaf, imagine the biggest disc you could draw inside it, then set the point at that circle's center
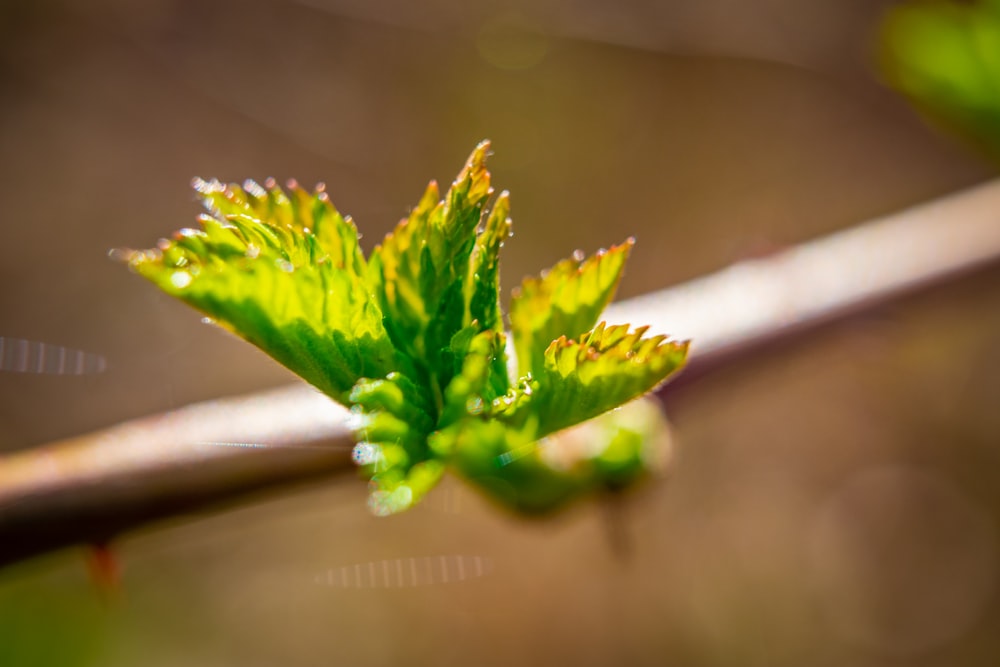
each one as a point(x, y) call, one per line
point(565, 301)
point(286, 274)
point(413, 339)
point(609, 366)
point(421, 268)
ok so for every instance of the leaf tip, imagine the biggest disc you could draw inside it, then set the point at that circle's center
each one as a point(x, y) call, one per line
point(430, 197)
point(623, 247)
point(477, 160)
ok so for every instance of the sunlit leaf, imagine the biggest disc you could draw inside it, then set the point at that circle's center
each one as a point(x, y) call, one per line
point(484, 284)
point(284, 273)
point(611, 452)
point(413, 339)
point(395, 418)
point(421, 269)
point(609, 366)
point(565, 301)
point(472, 390)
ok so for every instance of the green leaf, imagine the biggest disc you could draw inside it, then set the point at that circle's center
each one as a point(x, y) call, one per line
point(609, 366)
point(413, 339)
point(394, 396)
point(483, 289)
point(483, 286)
point(421, 269)
point(565, 301)
point(480, 381)
point(394, 420)
point(507, 464)
point(284, 273)
point(611, 452)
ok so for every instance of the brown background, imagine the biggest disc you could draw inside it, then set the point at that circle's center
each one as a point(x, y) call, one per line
point(834, 501)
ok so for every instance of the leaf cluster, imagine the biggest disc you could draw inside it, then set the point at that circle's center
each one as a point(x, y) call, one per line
point(412, 337)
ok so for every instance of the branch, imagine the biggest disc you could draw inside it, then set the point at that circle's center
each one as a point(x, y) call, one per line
point(91, 488)
point(94, 487)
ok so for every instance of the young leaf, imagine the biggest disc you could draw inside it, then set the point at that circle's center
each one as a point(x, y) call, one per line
point(395, 419)
point(413, 340)
point(565, 301)
point(479, 382)
point(611, 452)
point(420, 270)
point(285, 274)
point(609, 366)
point(483, 285)
point(507, 464)
point(483, 288)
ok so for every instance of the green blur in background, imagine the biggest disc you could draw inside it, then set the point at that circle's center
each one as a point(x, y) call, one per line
point(946, 57)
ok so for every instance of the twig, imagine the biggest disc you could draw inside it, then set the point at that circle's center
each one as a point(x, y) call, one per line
point(91, 488)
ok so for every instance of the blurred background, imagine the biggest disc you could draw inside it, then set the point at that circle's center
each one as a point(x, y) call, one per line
point(834, 500)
